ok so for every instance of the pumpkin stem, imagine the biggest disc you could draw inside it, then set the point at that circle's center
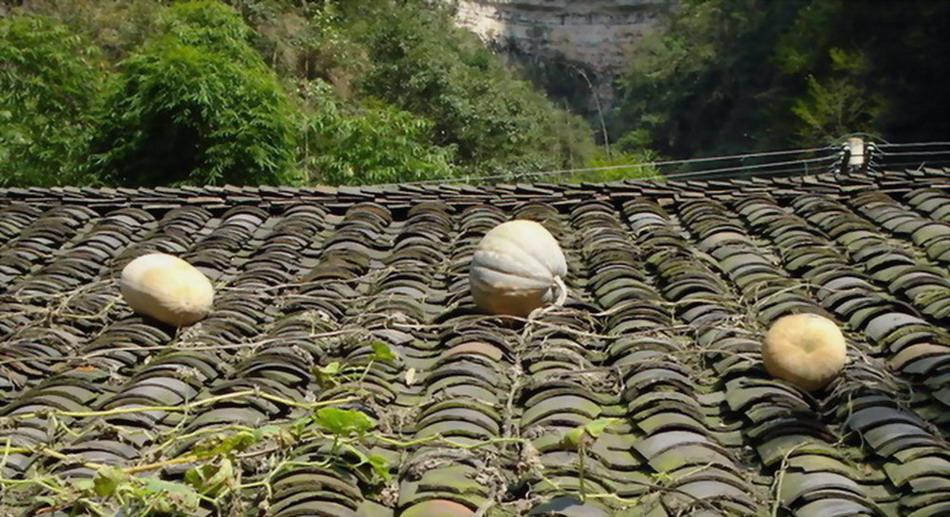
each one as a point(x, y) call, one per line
point(561, 292)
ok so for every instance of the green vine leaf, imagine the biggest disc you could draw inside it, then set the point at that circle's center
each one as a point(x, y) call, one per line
point(210, 479)
point(597, 427)
point(573, 438)
point(46, 499)
point(326, 375)
point(383, 352)
point(263, 431)
point(343, 422)
point(84, 485)
point(380, 466)
point(107, 481)
point(175, 496)
point(583, 435)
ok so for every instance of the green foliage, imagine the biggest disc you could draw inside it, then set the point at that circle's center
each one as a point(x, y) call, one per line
point(834, 108)
point(228, 445)
point(580, 439)
point(343, 422)
point(346, 423)
point(327, 375)
point(197, 105)
point(582, 435)
point(724, 76)
point(383, 352)
point(613, 168)
point(51, 81)
point(269, 91)
point(423, 64)
point(701, 84)
point(148, 92)
point(211, 479)
point(136, 495)
point(217, 464)
point(372, 144)
point(116, 27)
point(108, 480)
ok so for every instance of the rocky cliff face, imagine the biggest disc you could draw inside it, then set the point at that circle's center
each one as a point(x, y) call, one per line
point(587, 38)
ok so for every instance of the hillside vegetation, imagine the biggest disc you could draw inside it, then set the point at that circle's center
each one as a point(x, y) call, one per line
point(145, 92)
point(296, 92)
point(732, 76)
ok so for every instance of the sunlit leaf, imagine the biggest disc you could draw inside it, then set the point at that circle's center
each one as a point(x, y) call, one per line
point(382, 351)
point(210, 479)
point(176, 494)
point(596, 427)
point(583, 435)
point(107, 480)
point(380, 466)
point(327, 375)
point(343, 422)
point(573, 438)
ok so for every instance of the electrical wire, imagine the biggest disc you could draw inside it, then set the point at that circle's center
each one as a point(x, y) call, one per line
point(876, 159)
point(558, 172)
point(919, 164)
point(915, 153)
point(731, 172)
point(762, 174)
point(748, 167)
point(913, 144)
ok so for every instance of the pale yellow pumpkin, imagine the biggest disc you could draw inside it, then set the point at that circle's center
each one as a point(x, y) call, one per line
point(167, 289)
point(517, 267)
point(807, 350)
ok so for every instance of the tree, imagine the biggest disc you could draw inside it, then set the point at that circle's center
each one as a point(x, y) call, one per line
point(276, 91)
point(51, 83)
point(704, 83)
point(197, 105)
point(838, 104)
point(882, 67)
point(729, 76)
point(367, 144)
point(423, 64)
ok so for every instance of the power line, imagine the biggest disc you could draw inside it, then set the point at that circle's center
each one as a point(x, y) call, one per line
point(748, 167)
point(922, 163)
point(837, 154)
point(915, 153)
point(913, 144)
point(731, 172)
point(760, 174)
point(558, 172)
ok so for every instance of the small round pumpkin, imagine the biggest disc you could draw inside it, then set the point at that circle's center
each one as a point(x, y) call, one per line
point(517, 268)
point(807, 350)
point(167, 289)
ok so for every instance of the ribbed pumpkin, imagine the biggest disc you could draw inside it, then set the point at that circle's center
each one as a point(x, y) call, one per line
point(516, 268)
point(167, 289)
point(807, 350)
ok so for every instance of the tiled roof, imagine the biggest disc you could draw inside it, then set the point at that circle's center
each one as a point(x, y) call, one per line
point(672, 286)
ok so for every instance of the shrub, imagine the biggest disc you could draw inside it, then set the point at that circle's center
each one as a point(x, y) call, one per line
point(51, 82)
point(197, 105)
point(615, 168)
point(367, 144)
point(423, 64)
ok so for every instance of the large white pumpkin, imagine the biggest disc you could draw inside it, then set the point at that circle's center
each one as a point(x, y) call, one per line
point(516, 269)
point(166, 288)
point(807, 350)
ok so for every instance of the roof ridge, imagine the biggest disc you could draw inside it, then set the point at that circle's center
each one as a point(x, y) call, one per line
point(211, 196)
